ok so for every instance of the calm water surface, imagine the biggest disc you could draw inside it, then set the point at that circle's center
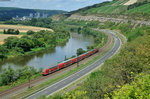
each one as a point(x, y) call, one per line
point(51, 57)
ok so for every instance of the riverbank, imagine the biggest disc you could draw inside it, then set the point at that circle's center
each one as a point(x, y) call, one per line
point(36, 75)
point(26, 45)
point(47, 57)
point(82, 62)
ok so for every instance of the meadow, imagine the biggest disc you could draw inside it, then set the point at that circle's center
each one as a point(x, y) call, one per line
point(22, 28)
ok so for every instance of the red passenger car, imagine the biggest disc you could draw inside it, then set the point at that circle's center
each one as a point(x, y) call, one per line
point(82, 56)
point(74, 60)
point(90, 53)
point(53, 69)
point(46, 72)
point(62, 65)
point(69, 62)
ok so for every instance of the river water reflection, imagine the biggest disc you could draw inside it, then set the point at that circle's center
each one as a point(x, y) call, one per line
point(51, 57)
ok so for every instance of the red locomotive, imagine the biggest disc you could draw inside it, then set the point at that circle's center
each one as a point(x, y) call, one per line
point(69, 62)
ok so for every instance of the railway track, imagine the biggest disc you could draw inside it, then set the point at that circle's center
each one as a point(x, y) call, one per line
point(22, 87)
point(50, 90)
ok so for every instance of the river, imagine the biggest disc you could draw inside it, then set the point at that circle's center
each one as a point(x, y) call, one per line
point(51, 57)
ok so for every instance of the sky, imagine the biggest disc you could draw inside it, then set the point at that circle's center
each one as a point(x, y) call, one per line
point(67, 5)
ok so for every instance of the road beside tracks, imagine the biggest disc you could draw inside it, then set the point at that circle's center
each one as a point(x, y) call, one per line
point(65, 82)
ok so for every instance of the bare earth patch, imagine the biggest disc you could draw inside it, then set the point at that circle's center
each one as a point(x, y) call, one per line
point(22, 28)
point(4, 36)
point(130, 2)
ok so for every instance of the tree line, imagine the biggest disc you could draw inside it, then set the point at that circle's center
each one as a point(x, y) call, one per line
point(41, 22)
point(11, 77)
point(11, 31)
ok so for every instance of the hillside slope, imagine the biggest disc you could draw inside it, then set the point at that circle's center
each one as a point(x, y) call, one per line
point(116, 7)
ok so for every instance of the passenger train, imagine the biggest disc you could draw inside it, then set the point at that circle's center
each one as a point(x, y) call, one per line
point(69, 62)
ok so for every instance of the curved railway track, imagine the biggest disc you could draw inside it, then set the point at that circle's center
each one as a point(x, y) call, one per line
point(22, 87)
point(74, 77)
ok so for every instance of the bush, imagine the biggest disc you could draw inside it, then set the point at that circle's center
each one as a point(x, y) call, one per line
point(138, 89)
point(10, 75)
point(80, 51)
point(11, 31)
point(30, 32)
point(25, 44)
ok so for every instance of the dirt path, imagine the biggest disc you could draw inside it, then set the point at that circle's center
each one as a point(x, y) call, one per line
point(22, 87)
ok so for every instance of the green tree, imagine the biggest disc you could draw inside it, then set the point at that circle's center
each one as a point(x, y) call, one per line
point(25, 44)
point(33, 21)
point(79, 30)
point(41, 42)
point(80, 51)
point(11, 42)
point(17, 32)
point(30, 32)
point(7, 76)
point(4, 31)
point(138, 89)
point(3, 52)
point(3, 49)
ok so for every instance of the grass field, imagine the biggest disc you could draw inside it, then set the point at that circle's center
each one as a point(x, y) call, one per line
point(22, 28)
